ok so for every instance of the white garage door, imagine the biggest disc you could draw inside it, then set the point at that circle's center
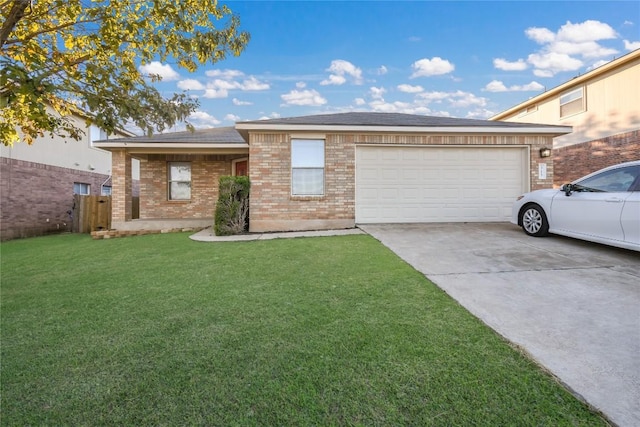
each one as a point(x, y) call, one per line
point(438, 184)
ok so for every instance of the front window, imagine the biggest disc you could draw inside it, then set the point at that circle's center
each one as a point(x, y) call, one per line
point(307, 167)
point(81, 188)
point(572, 102)
point(612, 181)
point(179, 181)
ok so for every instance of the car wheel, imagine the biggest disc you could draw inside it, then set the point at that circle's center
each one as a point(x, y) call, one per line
point(534, 221)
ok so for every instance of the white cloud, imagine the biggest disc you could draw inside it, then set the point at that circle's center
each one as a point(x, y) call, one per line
point(597, 64)
point(219, 88)
point(359, 101)
point(503, 64)
point(498, 86)
point(588, 49)
point(303, 97)
point(551, 63)
point(232, 118)
point(270, 116)
point(225, 74)
point(301, 85)
point(253, 84)
point(202, 119)
point(382, 70)
point(433, 96)
point(340, 69)
point(540, 35)
point(586, 31)
point(480, 113)
point(377, 92)
point(631, 45)
point(334, 79)
point(431, 67)
point(410, 89)
point(156, 68)
point(560, 50)
point(461, 99)
point(215, 93)
point(238, 102)
point(190, 84)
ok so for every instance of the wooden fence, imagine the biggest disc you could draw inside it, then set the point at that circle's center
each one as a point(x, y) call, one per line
point(93, 213)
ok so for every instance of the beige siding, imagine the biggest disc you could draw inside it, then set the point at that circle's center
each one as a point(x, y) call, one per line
point(612, 107)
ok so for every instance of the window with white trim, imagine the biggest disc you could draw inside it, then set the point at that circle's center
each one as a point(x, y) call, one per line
point(307, 167)
point(572, 102)
point(81, 188)
point(179, 186)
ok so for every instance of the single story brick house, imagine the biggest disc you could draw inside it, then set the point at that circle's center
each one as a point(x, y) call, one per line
point(337, 170)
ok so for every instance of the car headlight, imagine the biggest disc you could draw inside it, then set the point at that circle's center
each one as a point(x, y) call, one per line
point(519, 198)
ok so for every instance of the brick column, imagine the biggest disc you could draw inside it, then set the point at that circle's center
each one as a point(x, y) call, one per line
point(120, 187)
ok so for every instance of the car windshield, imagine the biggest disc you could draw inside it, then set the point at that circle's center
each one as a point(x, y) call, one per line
point(610, 181)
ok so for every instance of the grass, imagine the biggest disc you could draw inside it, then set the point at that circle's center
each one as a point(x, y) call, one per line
point(161, 330)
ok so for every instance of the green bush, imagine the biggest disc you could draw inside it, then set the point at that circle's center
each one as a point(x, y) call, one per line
point(232, 209)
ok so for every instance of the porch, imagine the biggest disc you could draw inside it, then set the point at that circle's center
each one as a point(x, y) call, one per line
point(139, 227)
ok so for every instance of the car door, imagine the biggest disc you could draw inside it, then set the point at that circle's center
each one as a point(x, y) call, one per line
point(630, 218)
point(595, 206)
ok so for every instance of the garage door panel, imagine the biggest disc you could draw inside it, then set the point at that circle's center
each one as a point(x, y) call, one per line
point(437, 184)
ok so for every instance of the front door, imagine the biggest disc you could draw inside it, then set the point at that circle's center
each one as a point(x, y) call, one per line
point(242, 168)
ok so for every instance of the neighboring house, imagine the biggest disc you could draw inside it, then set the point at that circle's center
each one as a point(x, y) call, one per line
point(336, 170)
point(602, 106)
point(38, 181)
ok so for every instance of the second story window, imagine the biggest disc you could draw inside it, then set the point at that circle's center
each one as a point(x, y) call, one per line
point(572, 102)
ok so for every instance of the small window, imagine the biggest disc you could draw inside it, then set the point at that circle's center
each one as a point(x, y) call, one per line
point(106, 190)
point(179, 181)
point(81, 188)
point(572, 102)
point(529, 109)
point(307, 167)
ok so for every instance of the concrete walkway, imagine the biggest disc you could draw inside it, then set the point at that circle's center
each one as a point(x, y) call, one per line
point(207, 235)
point(573, 306)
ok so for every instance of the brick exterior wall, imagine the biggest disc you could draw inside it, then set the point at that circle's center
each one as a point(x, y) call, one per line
point(35, 198)
point(575, 161)
point(205, 173)
point(273, 208)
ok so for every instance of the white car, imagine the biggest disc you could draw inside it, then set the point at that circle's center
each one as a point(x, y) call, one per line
point(602, 207)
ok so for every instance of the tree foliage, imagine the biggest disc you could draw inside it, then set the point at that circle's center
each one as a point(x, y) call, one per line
point(60, 55)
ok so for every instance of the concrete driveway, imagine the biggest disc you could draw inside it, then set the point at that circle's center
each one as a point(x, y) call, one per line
point(573, 306)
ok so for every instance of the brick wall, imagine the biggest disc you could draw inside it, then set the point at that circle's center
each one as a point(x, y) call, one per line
point(273, 208)
point(35, 198)
point(575, 161)
point(205, 173)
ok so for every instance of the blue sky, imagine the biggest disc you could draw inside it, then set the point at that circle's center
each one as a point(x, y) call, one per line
point(468, 59)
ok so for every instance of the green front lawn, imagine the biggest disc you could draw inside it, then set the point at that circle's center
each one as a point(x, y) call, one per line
point(161, 330)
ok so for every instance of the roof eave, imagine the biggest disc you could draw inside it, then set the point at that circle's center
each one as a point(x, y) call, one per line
point(554, 130)
point(173, 146)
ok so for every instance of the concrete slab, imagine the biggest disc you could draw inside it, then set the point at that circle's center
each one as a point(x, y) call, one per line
point(207, 235)
point(574, 306)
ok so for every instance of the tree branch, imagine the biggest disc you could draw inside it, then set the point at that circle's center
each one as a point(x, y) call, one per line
point(15, 14)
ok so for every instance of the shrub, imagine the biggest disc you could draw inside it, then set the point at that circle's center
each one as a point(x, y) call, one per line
point(232, 209)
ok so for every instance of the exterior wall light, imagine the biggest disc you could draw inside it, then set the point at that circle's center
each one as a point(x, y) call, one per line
point(545, 152)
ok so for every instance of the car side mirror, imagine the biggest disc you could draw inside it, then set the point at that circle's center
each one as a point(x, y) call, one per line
point(567, 188)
